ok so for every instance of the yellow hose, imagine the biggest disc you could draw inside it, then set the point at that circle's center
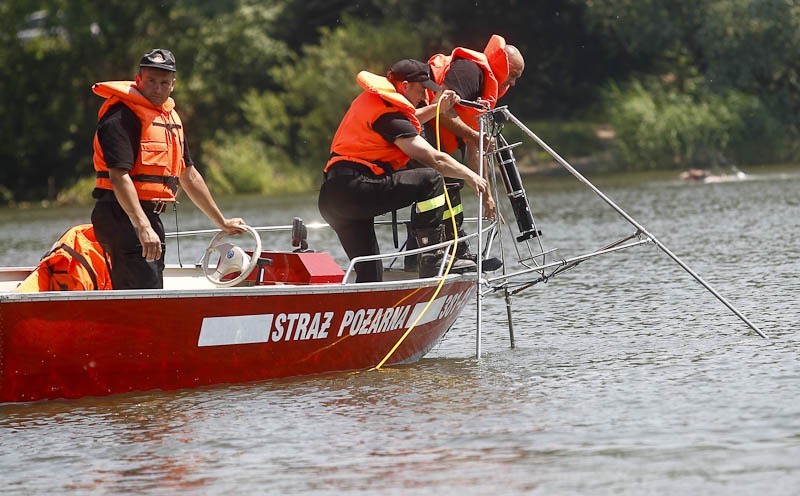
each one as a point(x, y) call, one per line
point(449, 262)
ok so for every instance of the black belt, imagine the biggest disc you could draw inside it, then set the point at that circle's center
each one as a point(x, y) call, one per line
point(158, 206)
point(155, 206)
point(345, 170)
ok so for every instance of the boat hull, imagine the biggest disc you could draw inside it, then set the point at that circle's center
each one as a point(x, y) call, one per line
point(69, 345)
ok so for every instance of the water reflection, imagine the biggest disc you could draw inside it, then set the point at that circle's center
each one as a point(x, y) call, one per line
point(145, 434)
point(628, 377)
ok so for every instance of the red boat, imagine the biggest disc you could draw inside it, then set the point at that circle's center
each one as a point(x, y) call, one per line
point(280, 314)
point(296, 315)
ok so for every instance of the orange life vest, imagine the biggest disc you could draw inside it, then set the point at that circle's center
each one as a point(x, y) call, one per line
point(494, 74)
point(76, 262)
point(356, 141)
point(160, 159)
point(495, 52)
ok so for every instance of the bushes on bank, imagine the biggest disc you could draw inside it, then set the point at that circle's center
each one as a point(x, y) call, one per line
point(244, 164)
point(658, 127)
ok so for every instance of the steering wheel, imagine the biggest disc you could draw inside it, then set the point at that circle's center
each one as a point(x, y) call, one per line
point(232, 259)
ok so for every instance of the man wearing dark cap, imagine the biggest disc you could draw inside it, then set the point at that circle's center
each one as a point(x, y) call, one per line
point(140, 159)
point(366, 174)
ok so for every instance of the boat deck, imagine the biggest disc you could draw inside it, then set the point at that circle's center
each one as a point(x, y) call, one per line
point(176, 278)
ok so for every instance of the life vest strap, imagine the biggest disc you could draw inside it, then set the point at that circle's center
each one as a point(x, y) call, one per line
point(80, 258)
point(170, 181)
point(378, 168)
point(169, 126)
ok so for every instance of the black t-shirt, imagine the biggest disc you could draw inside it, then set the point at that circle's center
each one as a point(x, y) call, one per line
point(394, 125)
point(465, 77)
point(118, 133)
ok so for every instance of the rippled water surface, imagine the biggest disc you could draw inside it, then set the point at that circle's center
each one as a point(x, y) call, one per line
point(627, 376)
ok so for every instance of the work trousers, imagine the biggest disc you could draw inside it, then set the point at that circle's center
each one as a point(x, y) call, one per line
point(351, 197)
point(454, 187)
point(115, 233)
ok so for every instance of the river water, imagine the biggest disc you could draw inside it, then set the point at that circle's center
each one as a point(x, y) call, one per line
point(627, 377)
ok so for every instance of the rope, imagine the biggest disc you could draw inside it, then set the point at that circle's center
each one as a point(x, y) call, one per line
point(177, 230)
point(449, 262)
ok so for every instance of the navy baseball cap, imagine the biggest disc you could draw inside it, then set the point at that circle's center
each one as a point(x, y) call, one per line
point(160, 59)
point(413, 71)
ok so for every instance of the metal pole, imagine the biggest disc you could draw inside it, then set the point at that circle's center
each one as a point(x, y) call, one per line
point(506, 292)
point(630, 219)
point(479, 301)
point(508, 316)
point(509, 312)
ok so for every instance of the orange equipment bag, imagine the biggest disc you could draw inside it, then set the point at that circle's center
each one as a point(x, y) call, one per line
point(76, 262)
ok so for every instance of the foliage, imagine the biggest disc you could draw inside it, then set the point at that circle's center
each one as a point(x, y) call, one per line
point(754, 46)
point(53, 50)
point(235, 57)
point(262, 84)
point(319, 86)
point(243, 164)
point(747, 46)
point(571, 139)
point(658, 128)
point(48, 61)
point(77, 193)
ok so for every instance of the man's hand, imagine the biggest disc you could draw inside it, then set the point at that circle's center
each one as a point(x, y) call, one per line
point(233, 226)
point(151, 243)
point(481, 185)
point(447, 100)
point(489, 211)
point(476, 182)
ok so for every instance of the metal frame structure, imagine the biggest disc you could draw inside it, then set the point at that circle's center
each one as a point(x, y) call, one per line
point(535, 261)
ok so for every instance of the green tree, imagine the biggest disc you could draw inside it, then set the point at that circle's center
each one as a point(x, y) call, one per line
point(754, 46)
point(319, 84)
point(222, 56)
point(566, 62)
point(713, 74)
point(660, 128)
point(52, 51)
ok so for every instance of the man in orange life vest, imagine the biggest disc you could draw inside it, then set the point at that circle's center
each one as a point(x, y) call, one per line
point(474, 76)
point(366, 174)
point(140, 159)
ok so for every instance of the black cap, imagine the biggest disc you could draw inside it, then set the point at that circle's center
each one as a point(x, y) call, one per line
point(160, 59)
point(412, 71)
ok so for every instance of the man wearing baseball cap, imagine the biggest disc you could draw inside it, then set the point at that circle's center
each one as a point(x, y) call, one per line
point(413, 71)
point(367, 173)
point(140, 160)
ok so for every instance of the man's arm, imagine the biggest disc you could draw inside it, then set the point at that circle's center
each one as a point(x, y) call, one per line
point(446, 100)
point(195, 186)
point(417, 148)
point(124, 190)
point(453, 123)
point(471, 137)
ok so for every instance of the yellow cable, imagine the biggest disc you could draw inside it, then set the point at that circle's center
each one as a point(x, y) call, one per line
point(447, 198)
point(449, 262)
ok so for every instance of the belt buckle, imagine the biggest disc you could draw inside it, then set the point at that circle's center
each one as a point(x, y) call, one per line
point(159, 206)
